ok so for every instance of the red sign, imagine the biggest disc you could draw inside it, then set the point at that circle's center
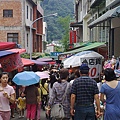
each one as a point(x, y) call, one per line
point(72, 37)
point(11, 62)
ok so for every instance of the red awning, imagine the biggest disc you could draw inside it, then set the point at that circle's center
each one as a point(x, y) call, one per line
point(27, 62)
point(17, 50)
point(7, 45)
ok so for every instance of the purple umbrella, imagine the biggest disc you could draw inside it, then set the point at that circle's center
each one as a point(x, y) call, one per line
point(44, 59)
point(40, 62)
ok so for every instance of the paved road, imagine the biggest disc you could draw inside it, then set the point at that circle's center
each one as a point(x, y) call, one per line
point(41, 118)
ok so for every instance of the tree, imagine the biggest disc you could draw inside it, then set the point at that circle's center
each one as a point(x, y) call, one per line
point(64, 21)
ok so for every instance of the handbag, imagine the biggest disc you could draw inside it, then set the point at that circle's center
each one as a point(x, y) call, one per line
point(57, 110)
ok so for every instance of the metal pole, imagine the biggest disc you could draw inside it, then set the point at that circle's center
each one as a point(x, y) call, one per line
point(31, 46)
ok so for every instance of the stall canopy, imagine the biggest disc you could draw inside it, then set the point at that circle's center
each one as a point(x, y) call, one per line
point(7, 45)
point(39, 62)
point(45, 59)
point(91, 58)
point(88, 47)
point(108, 15)
point(27, 62)
point(17, 50)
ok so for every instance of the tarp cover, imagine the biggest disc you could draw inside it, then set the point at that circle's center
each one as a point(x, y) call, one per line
point(17, 50)
point(5, 53)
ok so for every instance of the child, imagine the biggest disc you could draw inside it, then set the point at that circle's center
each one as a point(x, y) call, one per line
point(21, 104)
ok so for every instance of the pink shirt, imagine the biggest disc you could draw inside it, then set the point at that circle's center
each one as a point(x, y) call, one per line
point(4, 102)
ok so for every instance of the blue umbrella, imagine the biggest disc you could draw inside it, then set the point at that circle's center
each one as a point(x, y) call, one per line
point(26, 78)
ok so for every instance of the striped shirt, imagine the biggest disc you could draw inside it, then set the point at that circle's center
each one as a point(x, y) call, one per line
point(57, 96)
point(84, 88)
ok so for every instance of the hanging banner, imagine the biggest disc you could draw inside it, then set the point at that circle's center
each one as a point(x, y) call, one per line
point(95, 65)
point(72, 37)
point(11, 62)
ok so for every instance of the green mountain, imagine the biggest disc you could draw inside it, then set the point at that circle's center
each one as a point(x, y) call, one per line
point(63, 8)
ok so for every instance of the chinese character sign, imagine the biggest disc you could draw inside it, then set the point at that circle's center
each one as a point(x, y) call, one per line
point(11, 62)
point(95, 65)
point(72, 37)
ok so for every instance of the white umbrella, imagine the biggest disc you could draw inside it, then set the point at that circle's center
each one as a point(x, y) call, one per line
point(75, 60)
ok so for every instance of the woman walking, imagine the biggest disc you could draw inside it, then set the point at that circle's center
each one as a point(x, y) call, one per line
point(7, 95)
point(32, 98)
point(111, 89)
point(59, 89)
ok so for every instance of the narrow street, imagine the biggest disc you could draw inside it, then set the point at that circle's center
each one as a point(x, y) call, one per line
point(41, 118)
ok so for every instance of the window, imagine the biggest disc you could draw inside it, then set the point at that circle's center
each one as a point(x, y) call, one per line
point(31, 14)
point(12, 37)
point(27, 12)
point(7, 13)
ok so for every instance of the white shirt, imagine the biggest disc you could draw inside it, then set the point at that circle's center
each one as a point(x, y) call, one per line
point(4, 102)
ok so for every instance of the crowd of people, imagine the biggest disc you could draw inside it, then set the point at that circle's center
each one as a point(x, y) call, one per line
point(81, 102)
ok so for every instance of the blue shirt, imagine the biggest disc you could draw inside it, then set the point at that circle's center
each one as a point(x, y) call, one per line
point(84, 88)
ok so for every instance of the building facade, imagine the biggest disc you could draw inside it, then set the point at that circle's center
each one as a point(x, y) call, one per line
point(16, 16)
point(100, 23)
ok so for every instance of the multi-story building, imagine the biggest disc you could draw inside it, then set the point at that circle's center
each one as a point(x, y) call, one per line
point(16, 16)
point(100, 20)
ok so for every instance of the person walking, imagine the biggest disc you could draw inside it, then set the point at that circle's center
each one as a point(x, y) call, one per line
point(50, 85)
point(38, 111)
point(59, 89)
point(111, 89)
point(84, 92)
point(44, 88)
point(7, 96)
point(32, 98)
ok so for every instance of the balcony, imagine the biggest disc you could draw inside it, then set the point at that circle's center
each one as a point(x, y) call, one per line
point(95, 3)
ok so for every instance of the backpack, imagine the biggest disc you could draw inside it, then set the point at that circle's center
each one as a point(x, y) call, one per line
point(57, 110)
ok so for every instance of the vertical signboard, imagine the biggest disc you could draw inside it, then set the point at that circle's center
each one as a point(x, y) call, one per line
point(72, 37)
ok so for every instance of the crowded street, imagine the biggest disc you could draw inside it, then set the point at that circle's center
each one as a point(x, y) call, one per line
point(59, 59)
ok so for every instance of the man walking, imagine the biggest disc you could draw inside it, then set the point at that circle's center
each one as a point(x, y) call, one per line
point(84, 92)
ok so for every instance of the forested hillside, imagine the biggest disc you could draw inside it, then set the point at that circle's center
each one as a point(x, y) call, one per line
point(63, 8)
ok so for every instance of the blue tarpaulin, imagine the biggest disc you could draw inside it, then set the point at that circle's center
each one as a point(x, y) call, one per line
point(5, 53)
